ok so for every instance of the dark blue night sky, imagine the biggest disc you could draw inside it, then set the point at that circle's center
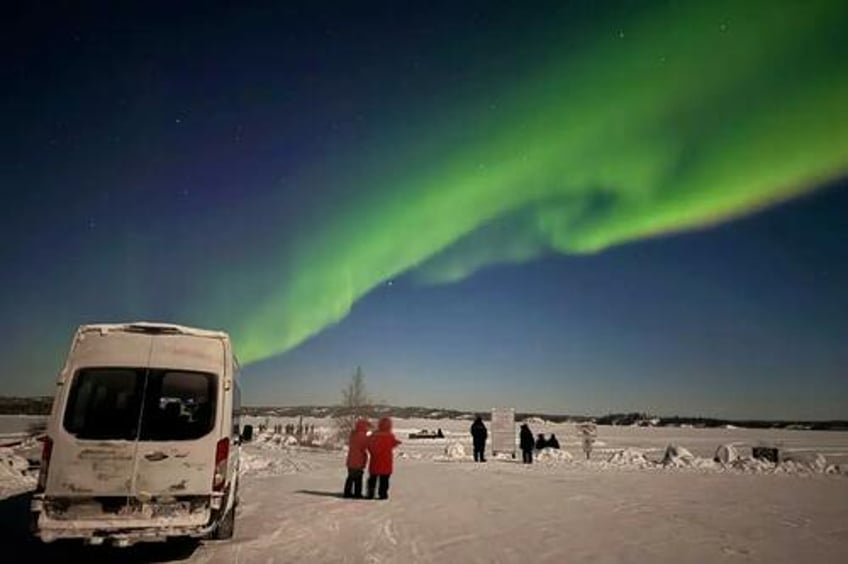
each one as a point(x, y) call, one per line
point(557, 206)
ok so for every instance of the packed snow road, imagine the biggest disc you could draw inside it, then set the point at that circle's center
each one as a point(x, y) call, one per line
point(501, 511)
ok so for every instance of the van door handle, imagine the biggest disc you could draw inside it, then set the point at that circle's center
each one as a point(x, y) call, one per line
point(156, 456)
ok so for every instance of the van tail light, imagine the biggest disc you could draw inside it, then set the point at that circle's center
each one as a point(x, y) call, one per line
point(46, 453)
point(222, 452)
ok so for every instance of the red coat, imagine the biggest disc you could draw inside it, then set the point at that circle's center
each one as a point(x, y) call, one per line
point(357, 452)
point(380, 446)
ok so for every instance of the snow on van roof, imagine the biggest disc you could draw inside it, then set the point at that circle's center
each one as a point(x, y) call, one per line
point(147, 326)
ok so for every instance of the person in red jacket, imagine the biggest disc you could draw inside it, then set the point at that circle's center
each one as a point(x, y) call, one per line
point(357, 456)
point(380, 446)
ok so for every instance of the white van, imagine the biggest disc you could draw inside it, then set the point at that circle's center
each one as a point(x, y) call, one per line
point(143, 439)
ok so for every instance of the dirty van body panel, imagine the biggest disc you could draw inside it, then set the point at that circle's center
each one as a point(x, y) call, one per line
point(135, 427)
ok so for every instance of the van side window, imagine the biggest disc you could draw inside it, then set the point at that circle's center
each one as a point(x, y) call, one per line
point(104, 403)
point(179, 405)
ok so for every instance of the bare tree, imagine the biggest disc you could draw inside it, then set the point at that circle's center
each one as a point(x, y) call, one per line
point(355, 404)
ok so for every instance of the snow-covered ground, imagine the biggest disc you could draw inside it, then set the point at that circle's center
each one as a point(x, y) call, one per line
point(623, 505)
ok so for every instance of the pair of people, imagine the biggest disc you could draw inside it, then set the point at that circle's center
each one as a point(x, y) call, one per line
point(543, 443)
point(377, 451)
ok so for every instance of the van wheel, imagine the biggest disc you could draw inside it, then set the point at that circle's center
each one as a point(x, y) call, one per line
point(226, 526)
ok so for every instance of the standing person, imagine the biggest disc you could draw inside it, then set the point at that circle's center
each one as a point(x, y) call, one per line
point(527, 444)
point(479, 434)
point(589, 432)
point(380, 446)
point(357, 456)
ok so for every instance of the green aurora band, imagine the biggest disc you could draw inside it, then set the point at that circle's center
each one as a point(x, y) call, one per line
point(691, 115)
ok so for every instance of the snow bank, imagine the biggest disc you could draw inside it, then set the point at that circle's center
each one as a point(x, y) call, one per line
point(554, 455)
point(276, 441)
point(260, 464)
point(535, 421)
point(677, 457)
point(791, 463)
point(14, 472)
point(752, 465)
point(804, 461)
point(629, 457)
point(455, 451)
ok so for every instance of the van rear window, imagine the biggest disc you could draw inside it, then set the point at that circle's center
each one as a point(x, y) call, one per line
point(105, 403)
point(179, 406)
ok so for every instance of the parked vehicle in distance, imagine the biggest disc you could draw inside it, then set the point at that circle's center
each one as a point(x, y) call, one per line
point(143, 438)
point(425, 434)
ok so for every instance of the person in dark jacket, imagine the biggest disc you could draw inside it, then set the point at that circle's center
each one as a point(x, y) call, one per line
point(526, 443)
point(553, 442)
point(541, 442)
point(479, 434)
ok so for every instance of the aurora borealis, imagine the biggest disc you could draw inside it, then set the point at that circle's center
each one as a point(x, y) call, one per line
point(687, 124)
point(265, 170)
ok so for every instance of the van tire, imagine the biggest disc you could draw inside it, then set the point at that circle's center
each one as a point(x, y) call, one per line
point(226, 526)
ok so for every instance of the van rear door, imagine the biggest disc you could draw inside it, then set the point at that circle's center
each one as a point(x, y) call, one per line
point(180, 422)
point(101, 420)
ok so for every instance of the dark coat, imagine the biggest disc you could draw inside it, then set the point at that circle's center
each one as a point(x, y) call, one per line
point(541, 443)
point(526, 438)
point(479, 432)
point(553, 442)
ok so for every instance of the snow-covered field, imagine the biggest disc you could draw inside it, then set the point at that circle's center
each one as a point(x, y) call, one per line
point(620, 506)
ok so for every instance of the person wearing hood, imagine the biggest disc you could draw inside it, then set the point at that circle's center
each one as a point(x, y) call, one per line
point(553, 442)
point(527, 444)
point(381, 445)
point(541, 442)
point(479, 434)
point(357, 456)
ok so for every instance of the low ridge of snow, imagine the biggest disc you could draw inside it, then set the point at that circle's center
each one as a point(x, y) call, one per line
point(628, 457)
point(554, 455)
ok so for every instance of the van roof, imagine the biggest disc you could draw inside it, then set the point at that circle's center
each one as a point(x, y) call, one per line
point(152, 328)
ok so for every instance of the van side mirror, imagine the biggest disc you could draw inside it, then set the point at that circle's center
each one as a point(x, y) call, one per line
point(247, 433)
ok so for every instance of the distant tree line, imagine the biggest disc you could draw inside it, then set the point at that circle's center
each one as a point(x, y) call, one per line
point(26, 406)
point(41, 406)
